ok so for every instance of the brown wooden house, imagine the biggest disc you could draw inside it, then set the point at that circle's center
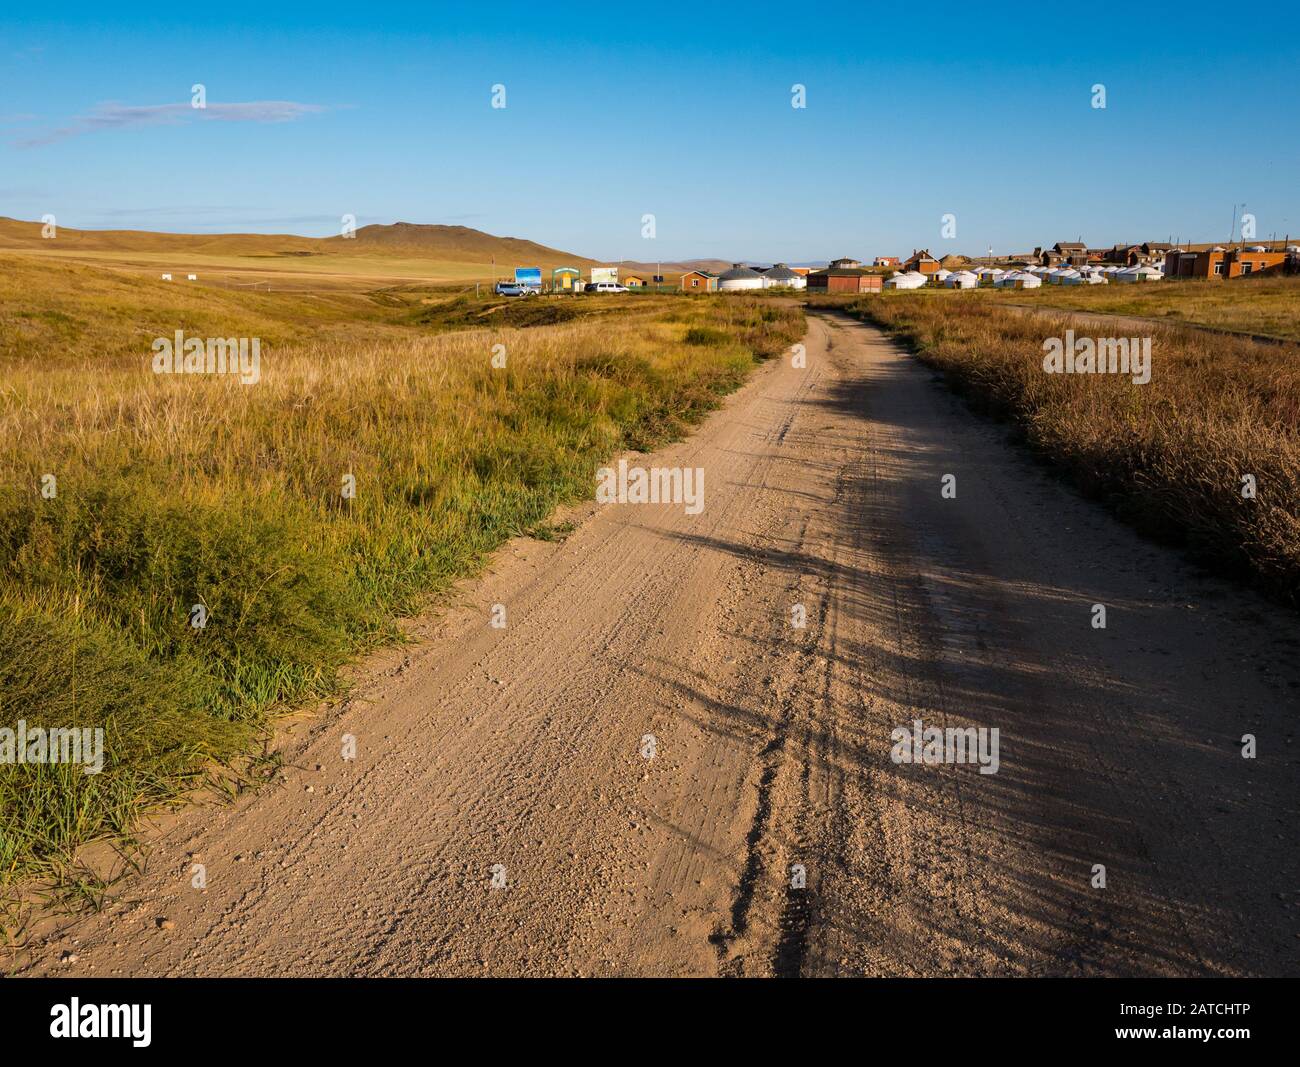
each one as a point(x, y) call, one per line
point(922, 262)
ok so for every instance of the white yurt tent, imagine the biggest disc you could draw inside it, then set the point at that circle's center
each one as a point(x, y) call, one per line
point(782, 277)
point(940, 276)
point(1138, 274)
point(908, 279)
point(738, 278)
point(961, 279)
point(1019, 279)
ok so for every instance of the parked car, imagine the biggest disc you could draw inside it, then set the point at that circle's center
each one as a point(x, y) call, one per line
point(514, 289)
point(606, 287)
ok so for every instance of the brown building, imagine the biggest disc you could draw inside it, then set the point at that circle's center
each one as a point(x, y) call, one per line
point(1149, 252)
point(922, 262)
point(1143, 255)
point(844, 280)
point(1075, 253)
point(699, 281)
point(1227, 263)
point(886, 261)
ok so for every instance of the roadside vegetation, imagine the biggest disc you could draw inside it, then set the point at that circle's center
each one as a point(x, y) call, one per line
point(1264, 305)
point(1267, 305)
point(177, 491)
point(1169, 455)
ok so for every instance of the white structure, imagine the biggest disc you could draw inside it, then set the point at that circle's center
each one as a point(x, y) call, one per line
point(191, 277)
point(1138, 274)
point(906, 280)
point(961, 279)
point(1019, 279)
point(738, 278)
point(166, 277)
point(1084, 277)
point(783, 277)
point(941, 275)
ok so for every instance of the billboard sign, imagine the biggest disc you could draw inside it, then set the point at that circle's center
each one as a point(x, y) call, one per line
point(529, 276)
point(604, 274)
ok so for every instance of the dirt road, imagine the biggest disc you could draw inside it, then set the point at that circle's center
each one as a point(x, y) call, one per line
point(516, 754)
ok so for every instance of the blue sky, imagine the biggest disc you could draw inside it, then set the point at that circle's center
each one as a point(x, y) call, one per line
point(913, 111)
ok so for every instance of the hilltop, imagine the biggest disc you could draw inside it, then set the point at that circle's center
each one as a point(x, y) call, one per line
point(401, 239)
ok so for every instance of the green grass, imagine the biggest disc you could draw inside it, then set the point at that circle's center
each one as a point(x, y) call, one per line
point(175, 491)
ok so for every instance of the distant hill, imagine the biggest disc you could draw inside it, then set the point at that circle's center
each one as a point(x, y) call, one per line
point(459, 243)
point(401, 240)
point(15, 234)
point(680, 266)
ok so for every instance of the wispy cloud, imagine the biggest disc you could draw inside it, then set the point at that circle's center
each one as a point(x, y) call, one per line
point(113, 116)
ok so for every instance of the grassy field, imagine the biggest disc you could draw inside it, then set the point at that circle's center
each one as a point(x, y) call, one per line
point(1264, 305)
point(1170, 454)
point(182, 490)
point(376, 255)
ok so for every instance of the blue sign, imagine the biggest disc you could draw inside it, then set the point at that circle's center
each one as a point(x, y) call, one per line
point(530, 276)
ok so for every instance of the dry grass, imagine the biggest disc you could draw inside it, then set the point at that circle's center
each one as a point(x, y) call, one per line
point(1170, 455)
point(1263, 305)
point(182, 490)
point(1267, 305)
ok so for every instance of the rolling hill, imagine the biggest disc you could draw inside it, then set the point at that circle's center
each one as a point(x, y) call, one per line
point(401, 240)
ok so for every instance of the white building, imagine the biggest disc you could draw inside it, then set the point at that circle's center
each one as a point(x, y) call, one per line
point(910, 279)
point(1138, 274)
point(1019, 279)
point(782, 277)
point(738, 278)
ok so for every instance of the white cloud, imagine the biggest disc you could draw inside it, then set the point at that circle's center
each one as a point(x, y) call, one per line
point(113, 116)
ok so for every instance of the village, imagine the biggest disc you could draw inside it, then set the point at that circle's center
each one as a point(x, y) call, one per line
point(1064, 263)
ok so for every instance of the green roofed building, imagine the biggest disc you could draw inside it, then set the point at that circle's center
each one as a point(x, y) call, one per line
point(565, 279)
